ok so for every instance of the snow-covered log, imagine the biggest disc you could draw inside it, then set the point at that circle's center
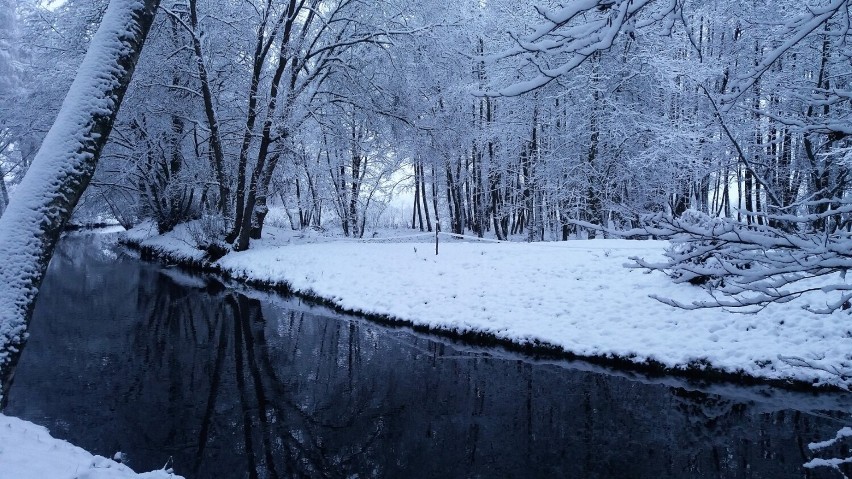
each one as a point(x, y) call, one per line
point(60, 172)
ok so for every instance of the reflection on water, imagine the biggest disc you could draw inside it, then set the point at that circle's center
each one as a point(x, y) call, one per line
point(127, 356)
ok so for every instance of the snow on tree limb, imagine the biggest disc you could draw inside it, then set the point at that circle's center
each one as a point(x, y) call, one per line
point(571, 34)
point(795, 31)
point(746, 267)
point(61, 170)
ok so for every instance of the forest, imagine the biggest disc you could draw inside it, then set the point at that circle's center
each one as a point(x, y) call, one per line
point(488, 118)
point(723, 124)
point(300, 145)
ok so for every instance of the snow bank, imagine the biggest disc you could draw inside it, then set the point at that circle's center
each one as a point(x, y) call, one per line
point(28, 451)
point(575, 296)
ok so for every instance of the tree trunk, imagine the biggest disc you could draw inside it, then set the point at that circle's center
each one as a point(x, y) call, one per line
point(4, 193)
point(454, 192)
point(496, 207)
point(210, 112)
point(423, 199)
point(243, 228)
point(63, 167)
point(359, 169)
point(748, 195)
point(477, 194)
point(262, 46)
point(434, 198)
point(415, 210)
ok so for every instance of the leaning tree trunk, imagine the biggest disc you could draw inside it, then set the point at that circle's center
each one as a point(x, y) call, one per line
point(62, 168)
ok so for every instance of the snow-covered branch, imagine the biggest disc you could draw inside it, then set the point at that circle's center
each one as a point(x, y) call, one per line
point(747, 266)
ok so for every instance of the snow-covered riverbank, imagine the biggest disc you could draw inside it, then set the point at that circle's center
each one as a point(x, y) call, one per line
point(575, 297)
point(28, 451)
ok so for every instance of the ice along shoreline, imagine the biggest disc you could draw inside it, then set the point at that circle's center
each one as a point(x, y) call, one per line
point(748, 352)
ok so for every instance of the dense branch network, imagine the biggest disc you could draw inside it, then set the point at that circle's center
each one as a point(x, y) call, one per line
point(746, 267)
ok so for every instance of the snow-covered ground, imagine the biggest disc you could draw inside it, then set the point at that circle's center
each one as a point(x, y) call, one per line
point(576, 296)
point(28, 451)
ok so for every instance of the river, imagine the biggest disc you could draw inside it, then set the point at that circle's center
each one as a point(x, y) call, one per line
point(220, 381)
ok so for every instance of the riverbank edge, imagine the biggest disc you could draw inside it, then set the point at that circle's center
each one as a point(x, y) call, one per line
point(539, 349)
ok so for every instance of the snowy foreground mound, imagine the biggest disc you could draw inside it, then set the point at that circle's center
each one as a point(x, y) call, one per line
point(28, 451)
point(576, 296)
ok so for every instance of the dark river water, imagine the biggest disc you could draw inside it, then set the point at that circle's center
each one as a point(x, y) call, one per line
point(227, 383)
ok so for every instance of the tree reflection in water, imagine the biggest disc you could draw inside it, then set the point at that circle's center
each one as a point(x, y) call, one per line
point(156, 363)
